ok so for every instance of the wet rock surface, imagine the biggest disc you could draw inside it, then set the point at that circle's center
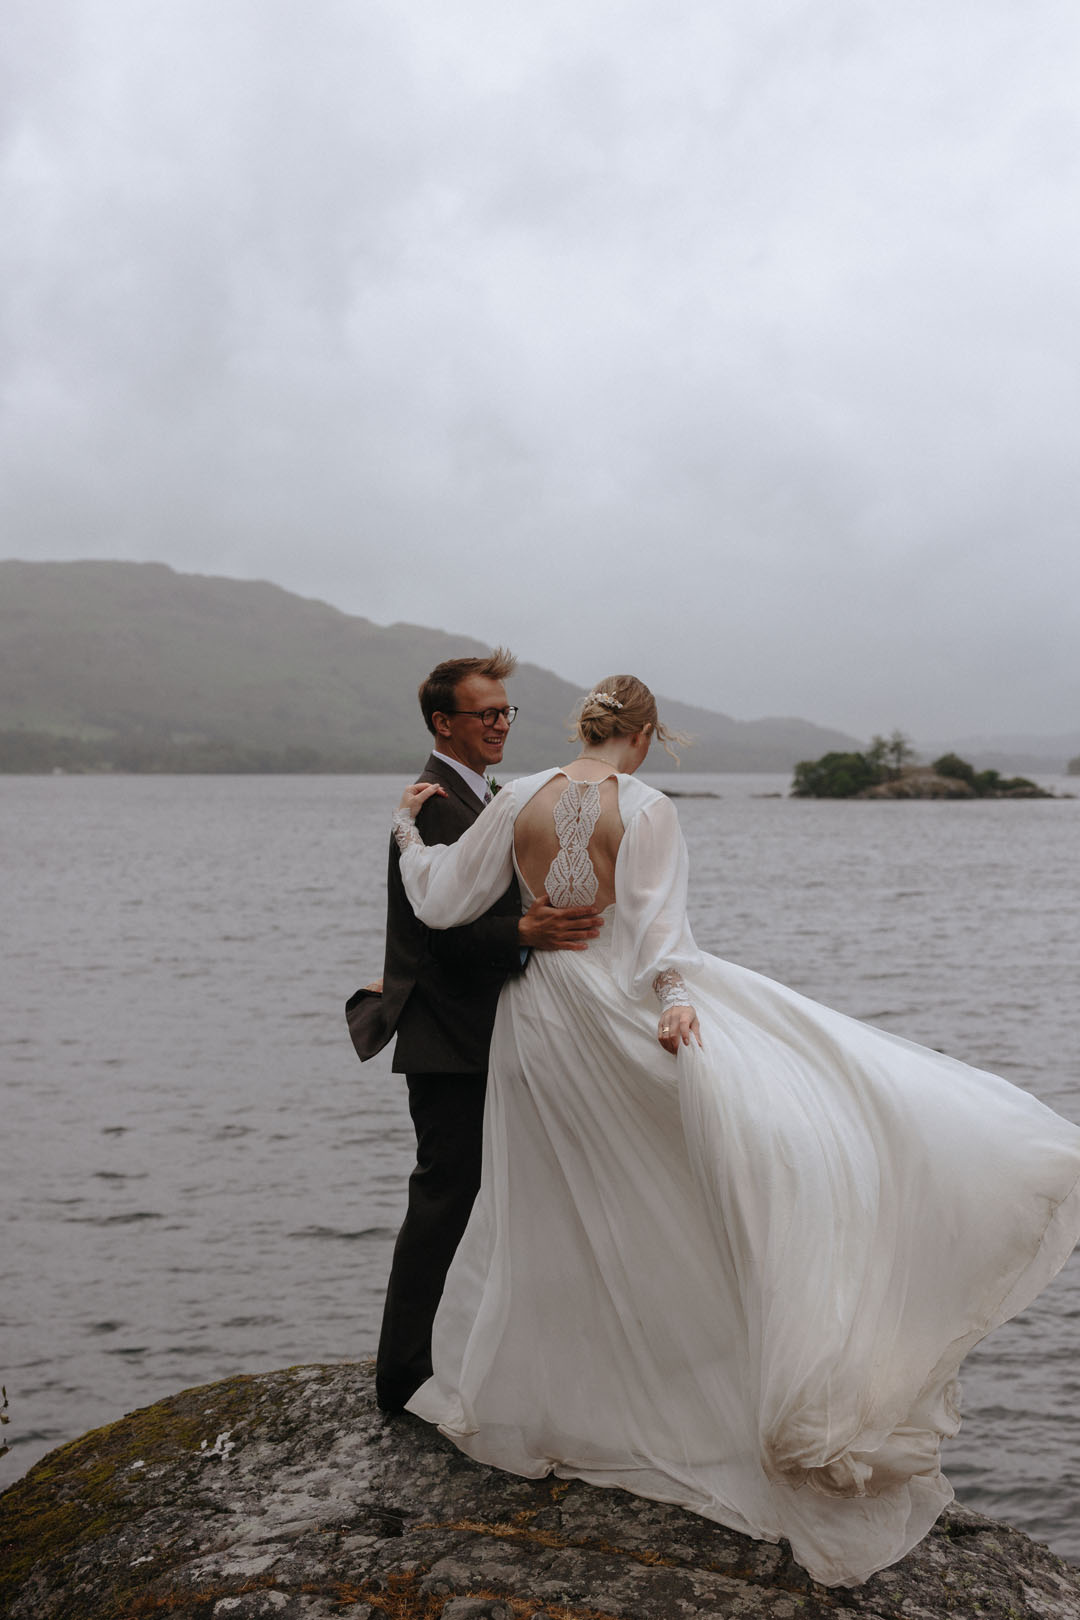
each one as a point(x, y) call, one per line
point(288, 1495)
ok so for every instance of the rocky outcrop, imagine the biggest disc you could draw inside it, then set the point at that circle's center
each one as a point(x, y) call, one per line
point(923, 782)
point(919, 782)
point(289, 1496)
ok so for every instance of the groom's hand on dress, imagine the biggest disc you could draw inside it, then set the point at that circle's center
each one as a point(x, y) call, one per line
point(545, 927)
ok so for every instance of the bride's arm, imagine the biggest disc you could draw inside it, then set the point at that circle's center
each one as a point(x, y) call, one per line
point(652, 946)
point(448, 884)
point(678, 1020)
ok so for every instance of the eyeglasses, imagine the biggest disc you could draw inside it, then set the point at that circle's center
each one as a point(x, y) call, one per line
point(489, 716)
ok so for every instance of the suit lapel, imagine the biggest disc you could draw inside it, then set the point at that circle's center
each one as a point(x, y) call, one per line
point(437, 771)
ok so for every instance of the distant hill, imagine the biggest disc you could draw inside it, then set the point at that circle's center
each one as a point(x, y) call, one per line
point(133, 666)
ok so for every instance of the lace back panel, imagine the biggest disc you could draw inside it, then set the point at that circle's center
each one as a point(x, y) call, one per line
point(571, 879)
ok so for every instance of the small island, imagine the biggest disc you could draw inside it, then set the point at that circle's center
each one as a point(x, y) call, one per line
point(887, 770)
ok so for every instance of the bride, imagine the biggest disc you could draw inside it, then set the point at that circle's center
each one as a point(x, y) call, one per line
point(730, 1246)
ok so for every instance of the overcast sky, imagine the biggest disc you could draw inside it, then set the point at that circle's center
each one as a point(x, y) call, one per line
point(736, 344)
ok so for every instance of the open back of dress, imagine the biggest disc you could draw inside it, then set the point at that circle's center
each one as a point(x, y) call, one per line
point(566, 840)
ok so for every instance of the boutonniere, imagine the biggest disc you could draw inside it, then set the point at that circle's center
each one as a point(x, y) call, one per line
point(493, 786)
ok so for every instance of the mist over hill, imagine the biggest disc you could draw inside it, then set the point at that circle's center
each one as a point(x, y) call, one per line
point(127, 665)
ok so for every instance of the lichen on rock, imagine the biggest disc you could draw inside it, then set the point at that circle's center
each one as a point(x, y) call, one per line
point(288, 1495)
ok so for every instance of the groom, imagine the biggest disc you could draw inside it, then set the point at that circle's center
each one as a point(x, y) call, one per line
point(438, 995)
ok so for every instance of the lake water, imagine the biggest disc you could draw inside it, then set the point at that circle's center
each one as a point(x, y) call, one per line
point(199, 1179)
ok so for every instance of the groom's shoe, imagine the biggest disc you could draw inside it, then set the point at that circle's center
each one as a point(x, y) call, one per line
point(391, 1398)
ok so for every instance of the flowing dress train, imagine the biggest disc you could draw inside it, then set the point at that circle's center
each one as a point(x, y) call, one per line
point(741, 1279)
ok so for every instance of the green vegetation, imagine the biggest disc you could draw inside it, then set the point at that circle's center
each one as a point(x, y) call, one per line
point(841, 776)
point(835, 776)
point(985, 783)
point(891, 754)
point(1073, 767)
point(888, 765)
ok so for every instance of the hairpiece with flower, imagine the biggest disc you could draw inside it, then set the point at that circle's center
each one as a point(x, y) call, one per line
point(607, 699)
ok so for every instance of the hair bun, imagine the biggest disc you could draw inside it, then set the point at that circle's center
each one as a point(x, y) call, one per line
point(620, 706)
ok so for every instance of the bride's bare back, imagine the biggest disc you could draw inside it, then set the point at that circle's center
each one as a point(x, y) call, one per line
point(566, 840)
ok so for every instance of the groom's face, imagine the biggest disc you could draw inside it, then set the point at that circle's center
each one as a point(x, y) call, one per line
point(465, 735)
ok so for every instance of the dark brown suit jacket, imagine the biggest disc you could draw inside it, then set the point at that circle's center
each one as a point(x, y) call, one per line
point(440, 986)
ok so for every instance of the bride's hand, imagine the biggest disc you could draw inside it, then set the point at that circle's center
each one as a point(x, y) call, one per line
point(676, 1026)
point(416, 794)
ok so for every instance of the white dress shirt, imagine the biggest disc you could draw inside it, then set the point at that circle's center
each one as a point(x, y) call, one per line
point(471, 778)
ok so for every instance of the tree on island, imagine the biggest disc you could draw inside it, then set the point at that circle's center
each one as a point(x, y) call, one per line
point(890, 754)
point(957, 769)
point(841, 776)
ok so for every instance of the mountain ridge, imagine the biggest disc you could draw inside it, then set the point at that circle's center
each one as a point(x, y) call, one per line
point(136, 665)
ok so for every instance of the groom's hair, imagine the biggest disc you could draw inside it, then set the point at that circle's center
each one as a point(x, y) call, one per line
point(437, 692)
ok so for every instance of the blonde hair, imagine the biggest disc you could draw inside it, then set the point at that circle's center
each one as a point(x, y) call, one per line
point(619, 706)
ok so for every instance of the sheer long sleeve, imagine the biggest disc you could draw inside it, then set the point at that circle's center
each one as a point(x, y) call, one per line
point(448, 884)
point(652, 946)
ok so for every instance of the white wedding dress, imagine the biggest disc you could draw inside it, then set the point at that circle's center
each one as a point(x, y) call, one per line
point(741, 1279)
